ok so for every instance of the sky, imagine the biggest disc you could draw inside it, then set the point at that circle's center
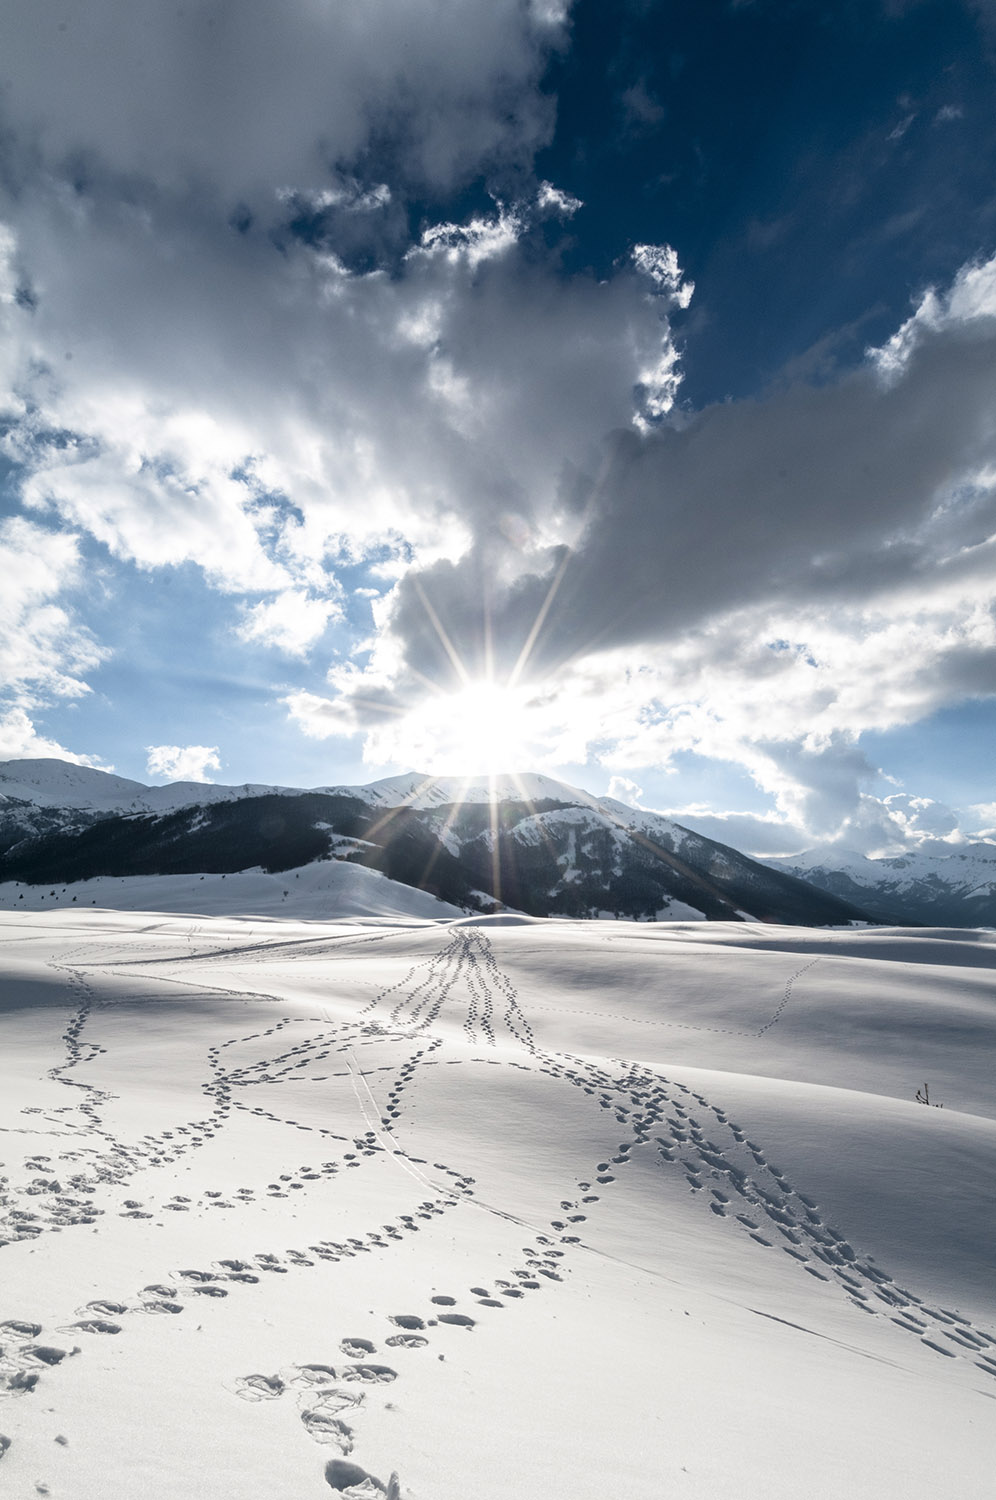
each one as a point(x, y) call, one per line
point(605, 390)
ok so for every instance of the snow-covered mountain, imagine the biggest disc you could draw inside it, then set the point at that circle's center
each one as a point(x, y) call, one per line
point(945, 886)
point(525, 842)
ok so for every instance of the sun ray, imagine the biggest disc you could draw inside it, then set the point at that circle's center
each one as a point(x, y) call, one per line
point(495, 849)
point(378, 706)
point(448, 822)
point(538, 623)
point(540, 827)
point(440, 629)
point(401, 806)
point(489, 640)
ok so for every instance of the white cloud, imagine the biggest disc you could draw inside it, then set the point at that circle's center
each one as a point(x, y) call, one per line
point(873, 826)
point(554, 200)
point(322, 718)
point(44, 649)
point(19, 740)
point(182, 762)
point(983, 820)
point(971, 297)
point(659, 377)
point(659, 263)
point(160, 508)
point(348, 194)
point(379, 406)
point(921, 817)
point(624, 790)
point(292, 622)
point(479, 240)
point(657, 388)
point(168, 369)
point(755, 834)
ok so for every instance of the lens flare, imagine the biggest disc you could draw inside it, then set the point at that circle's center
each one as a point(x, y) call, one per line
point(482, 729)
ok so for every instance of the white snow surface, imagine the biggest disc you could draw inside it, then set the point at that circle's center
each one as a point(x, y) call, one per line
point(325, 889)
point(500, 1206)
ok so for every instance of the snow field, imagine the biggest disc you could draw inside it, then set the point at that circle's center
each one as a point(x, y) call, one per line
point(538, 1208)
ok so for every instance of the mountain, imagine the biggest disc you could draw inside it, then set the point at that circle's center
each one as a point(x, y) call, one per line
point(942, 886)
point(528, 843)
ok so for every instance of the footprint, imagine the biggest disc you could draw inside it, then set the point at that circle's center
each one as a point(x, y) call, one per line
point(341, 1475)
point(356, 1347)
point(259, 1387)
point(313, 1375)
point(327, 1429)
point(22, 1382)
point(938, 1348)
point(369, 1374)
point(44, 1354)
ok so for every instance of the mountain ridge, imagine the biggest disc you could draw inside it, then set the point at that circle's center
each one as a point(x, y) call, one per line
point(946, 886)
point(526, 843)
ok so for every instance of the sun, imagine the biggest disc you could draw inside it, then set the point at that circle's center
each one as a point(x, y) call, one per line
point(484, 728)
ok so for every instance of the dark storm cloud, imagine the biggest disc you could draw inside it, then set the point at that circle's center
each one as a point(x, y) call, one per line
point(824, 496)
point(248, 94)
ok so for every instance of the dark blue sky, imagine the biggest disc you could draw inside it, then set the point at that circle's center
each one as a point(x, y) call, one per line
point(815, 166)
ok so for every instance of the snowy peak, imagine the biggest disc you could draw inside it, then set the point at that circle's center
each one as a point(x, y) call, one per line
point(61, 784)
point(946, 885)
point(58, 783)
point(424, 792)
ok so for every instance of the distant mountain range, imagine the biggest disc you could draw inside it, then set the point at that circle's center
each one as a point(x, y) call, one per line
point(527, 843)
point(953, 888)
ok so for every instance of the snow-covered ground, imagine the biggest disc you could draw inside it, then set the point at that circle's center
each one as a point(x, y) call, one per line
point(505, 1207)
point(319, 889)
